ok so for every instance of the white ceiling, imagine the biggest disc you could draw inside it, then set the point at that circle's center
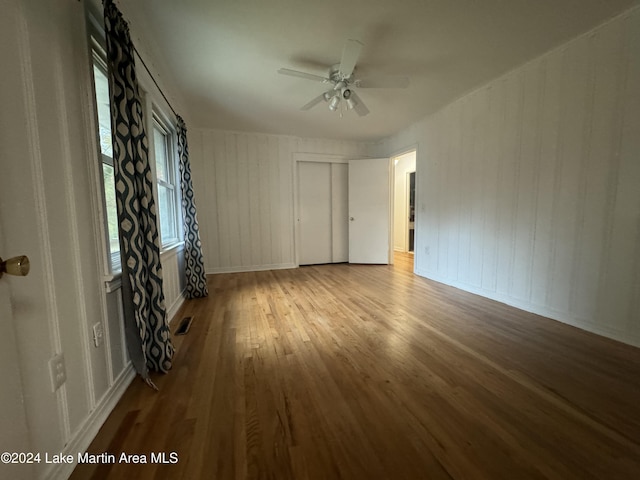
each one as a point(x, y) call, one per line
point(223, 55)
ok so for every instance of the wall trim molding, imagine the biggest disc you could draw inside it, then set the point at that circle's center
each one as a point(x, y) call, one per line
point(173, 309)
point(324, 157)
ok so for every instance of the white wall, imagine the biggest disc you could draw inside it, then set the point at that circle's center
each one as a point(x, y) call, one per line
point(48, 164)
point(529, 188)
point(406, 163)
point(243, 189)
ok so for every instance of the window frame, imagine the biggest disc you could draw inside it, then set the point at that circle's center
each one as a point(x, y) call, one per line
point(154, 110)
point(158, 121)
point(111, 259)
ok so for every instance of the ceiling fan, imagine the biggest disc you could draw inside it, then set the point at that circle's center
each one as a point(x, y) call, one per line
point(341, 77)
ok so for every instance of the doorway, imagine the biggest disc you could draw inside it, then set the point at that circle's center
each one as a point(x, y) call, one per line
point(404, 204)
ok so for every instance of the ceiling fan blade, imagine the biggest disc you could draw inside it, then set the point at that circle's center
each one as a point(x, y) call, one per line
point(313, 102)
point(350, 54)
point(383, 82)
point(360, 108)
point(308, 76)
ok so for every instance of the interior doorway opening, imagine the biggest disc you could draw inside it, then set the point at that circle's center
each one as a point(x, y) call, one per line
point(404, 202)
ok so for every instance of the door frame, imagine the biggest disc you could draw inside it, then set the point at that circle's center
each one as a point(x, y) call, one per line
point(406, 220)
point(398, 153)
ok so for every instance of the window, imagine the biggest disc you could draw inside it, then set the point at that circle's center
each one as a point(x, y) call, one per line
point(161, 154)
point(101, 83)
point(166, 182)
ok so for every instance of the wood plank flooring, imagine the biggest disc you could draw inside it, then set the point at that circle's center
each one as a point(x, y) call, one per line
point(370, 372)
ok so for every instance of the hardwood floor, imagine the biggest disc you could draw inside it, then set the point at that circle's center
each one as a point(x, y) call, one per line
point(370, 372)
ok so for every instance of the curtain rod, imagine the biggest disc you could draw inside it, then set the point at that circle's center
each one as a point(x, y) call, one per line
point(154, 81)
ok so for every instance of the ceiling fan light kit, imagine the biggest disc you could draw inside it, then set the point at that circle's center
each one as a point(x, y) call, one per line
point(333, 104)
point(341, 76)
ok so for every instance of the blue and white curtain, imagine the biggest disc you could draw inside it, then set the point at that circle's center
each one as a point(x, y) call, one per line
point(146, 326)
point(194, 263)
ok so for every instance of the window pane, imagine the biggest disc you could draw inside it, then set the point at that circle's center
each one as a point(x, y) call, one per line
point(112, 216)
point(160, 144)
point(104, 115)
point(166, 213)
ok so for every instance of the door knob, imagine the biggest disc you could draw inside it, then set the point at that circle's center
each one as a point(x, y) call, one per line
point(18, 266)
point(351, 218)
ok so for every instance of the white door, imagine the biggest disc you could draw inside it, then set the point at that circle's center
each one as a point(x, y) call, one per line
point(323, 212)
point(13, 422)
point(369, 220)
point(314, 193)
point(340, 211)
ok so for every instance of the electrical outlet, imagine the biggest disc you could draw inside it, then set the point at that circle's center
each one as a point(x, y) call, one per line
point(427, 250)
point(57, 371)
point(98, 334)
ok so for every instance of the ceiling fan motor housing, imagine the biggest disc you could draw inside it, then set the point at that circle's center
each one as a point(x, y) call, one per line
point(336, 77)
point(341, 77)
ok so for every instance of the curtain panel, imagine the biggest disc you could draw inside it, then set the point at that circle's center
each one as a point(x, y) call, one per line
point(147, 330)
point(194, 262)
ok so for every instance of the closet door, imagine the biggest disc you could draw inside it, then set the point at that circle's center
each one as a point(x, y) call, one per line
point(340, 211)
point(314, 197)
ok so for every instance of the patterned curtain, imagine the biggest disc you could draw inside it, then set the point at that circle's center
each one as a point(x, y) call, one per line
point(146, 327)
point(194, 263)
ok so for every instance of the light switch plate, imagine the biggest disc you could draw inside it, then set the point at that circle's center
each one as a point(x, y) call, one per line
point(57, 371)
point(98, 334)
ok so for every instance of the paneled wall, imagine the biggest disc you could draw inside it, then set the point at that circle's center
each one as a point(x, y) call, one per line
point(529, 188)
point(244, 192)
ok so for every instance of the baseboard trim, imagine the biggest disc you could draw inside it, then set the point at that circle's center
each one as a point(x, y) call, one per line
point(251, 268)
point(83, 437)
point(543, 311)
point(173, 310)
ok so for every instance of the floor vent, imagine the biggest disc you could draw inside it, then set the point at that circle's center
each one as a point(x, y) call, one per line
point(185, 325)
